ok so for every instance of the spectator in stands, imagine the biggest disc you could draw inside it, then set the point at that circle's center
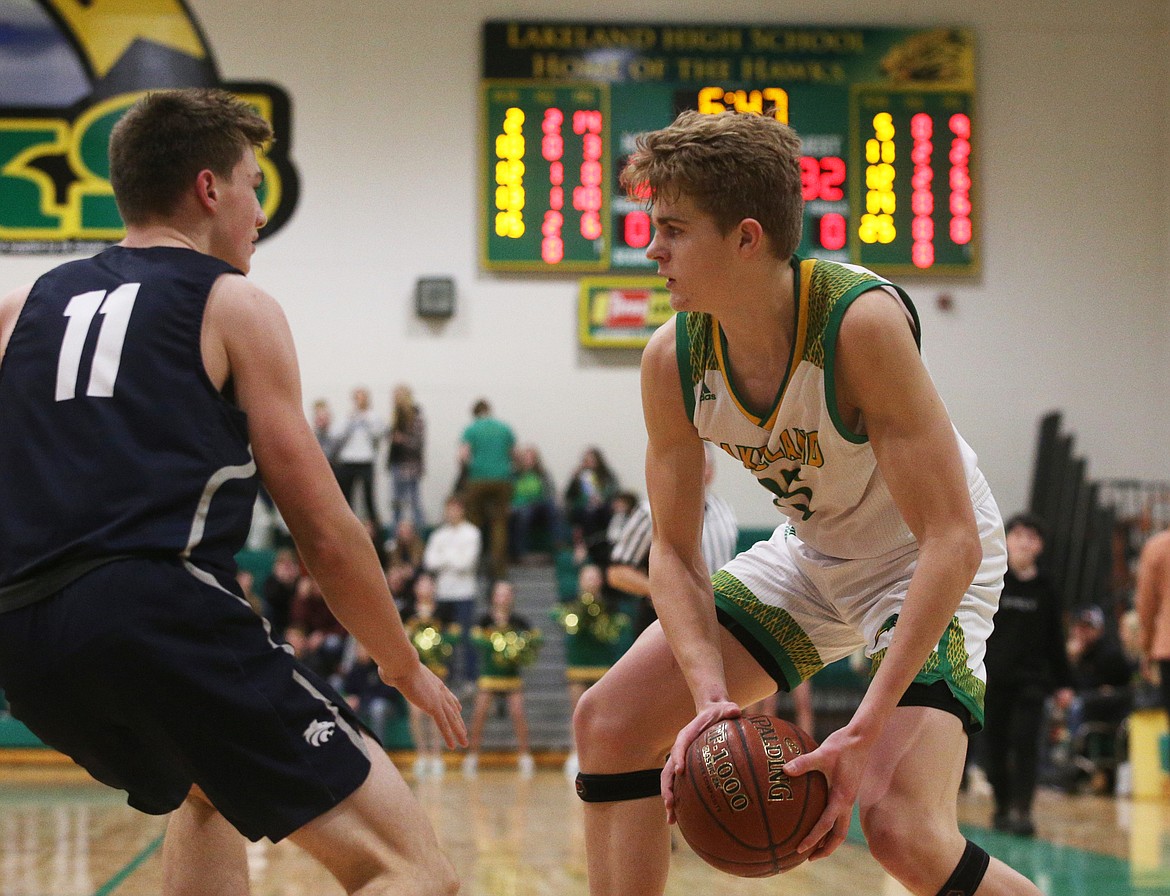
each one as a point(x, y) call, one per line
point(406, 545)
point(534, 505)
point(435, 643)
point(620, 508)
point(372, 699)
point(1026, 662)
point(279, 590)
point(323, 430)
point(452, 555)
point(403, 580)
point(356, 448)
point(485, 457)
point(1153, 611)
point(407, 437)
point(587, 500)
point(629, 569)
point(506, 644)
point(1102, 675)
point(314, 632)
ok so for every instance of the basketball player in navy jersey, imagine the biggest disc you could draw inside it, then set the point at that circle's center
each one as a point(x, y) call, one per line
point(142, 392)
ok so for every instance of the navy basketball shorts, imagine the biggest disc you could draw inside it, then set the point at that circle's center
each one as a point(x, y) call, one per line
point(153, 680)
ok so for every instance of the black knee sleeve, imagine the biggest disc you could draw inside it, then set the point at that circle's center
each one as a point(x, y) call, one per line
point(615, 788)
point(968, 873)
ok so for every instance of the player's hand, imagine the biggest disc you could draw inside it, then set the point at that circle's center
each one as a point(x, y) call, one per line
point(676, 761)
point(426, 690)
point(841, 759)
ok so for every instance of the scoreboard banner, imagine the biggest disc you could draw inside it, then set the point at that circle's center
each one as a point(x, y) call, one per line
point(886, 117)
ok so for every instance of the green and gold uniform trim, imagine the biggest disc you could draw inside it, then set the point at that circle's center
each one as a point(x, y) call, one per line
point(835, 289)
point(498, 683)
point(700, 341)
point(773, 628)
point(585, 674)
point(949, 664)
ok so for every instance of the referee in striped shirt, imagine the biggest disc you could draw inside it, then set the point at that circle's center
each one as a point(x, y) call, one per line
point(629, 563)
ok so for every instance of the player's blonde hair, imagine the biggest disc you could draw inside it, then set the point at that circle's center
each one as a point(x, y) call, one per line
point(733, 165)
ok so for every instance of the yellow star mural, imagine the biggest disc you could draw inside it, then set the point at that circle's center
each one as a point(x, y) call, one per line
point(105, 29)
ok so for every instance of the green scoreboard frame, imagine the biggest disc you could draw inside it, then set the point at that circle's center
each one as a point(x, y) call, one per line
point(886, 116)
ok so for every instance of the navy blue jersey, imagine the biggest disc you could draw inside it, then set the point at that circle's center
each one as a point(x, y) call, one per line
point(113, 440)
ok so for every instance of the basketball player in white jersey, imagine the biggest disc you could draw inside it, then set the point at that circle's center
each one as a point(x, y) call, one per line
point(809, 373)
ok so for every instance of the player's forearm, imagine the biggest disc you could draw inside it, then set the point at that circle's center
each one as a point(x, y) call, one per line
point(345, 565)
point(685, 607)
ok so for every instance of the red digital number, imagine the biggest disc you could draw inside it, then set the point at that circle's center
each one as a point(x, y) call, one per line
point(922, 254)
point(833, 231)
point(636, 230)
point(822, 178)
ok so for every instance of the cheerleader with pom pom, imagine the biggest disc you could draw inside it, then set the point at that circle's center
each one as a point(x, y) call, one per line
point(592, 633)
point(435, 643)
point(506, 644)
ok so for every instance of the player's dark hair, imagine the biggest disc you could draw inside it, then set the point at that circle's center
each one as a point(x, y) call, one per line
point(733, 165)
point(1029, 521)
point(159, 146)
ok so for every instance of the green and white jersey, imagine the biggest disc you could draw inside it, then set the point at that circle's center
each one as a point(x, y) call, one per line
point(823, 476)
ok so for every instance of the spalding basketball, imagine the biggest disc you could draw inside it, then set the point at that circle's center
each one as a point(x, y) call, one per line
point(735, 805)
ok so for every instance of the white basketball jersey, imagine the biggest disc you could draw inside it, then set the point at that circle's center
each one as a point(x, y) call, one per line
point(824, 477)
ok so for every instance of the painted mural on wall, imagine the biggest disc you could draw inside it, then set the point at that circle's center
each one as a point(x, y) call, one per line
point(68, 70)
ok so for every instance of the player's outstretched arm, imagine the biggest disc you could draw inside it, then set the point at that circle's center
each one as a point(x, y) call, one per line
point(680, 584)
point(246, 337)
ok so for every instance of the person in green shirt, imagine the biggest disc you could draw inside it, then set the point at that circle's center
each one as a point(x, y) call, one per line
point(485, 456)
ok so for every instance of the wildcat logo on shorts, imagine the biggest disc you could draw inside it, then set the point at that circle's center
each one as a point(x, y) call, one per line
point(319, 732)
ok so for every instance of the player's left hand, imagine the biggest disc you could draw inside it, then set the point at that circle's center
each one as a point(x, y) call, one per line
point(676, 761)
point(842, 758)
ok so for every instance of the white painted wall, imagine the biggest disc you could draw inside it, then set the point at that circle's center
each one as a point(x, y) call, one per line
point(1070, 311)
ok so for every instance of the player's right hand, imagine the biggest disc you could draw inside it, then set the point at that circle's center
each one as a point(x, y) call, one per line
point(426, 690)
point(676, 762)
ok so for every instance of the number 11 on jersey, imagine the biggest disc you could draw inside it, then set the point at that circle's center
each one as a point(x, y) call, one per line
point(81, 310)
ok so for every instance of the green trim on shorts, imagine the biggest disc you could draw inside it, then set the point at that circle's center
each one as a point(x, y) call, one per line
point(947, 664)
point(773, 628)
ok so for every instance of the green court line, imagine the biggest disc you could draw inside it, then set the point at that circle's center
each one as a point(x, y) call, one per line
point(116, 881)
point(1057, 870)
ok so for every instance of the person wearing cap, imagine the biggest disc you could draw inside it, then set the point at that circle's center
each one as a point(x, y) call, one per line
point(1026, 661)
point(1102, 677)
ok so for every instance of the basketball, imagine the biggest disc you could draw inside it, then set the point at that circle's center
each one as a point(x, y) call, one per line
point(734, 804)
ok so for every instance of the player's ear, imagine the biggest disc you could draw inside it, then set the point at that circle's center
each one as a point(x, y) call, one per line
point(206, 189)
point(751, 235)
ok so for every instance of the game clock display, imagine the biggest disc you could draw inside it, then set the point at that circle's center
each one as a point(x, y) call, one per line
point(886, 118)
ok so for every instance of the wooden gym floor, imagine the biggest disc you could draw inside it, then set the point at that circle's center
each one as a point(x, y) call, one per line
point(62, 835)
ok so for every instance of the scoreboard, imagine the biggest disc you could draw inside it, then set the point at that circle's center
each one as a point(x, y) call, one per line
point(886, 117)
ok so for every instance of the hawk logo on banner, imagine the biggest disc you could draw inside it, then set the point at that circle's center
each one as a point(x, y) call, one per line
point(68, 70)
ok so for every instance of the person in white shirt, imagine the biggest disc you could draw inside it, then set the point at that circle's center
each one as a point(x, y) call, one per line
point(452, 556)
point(355, 450)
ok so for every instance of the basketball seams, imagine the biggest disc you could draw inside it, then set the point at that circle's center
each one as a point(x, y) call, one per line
point(741, 730)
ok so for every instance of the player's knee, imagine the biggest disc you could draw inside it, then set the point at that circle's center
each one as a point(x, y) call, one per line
point(896, 835)
point(600, 732)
